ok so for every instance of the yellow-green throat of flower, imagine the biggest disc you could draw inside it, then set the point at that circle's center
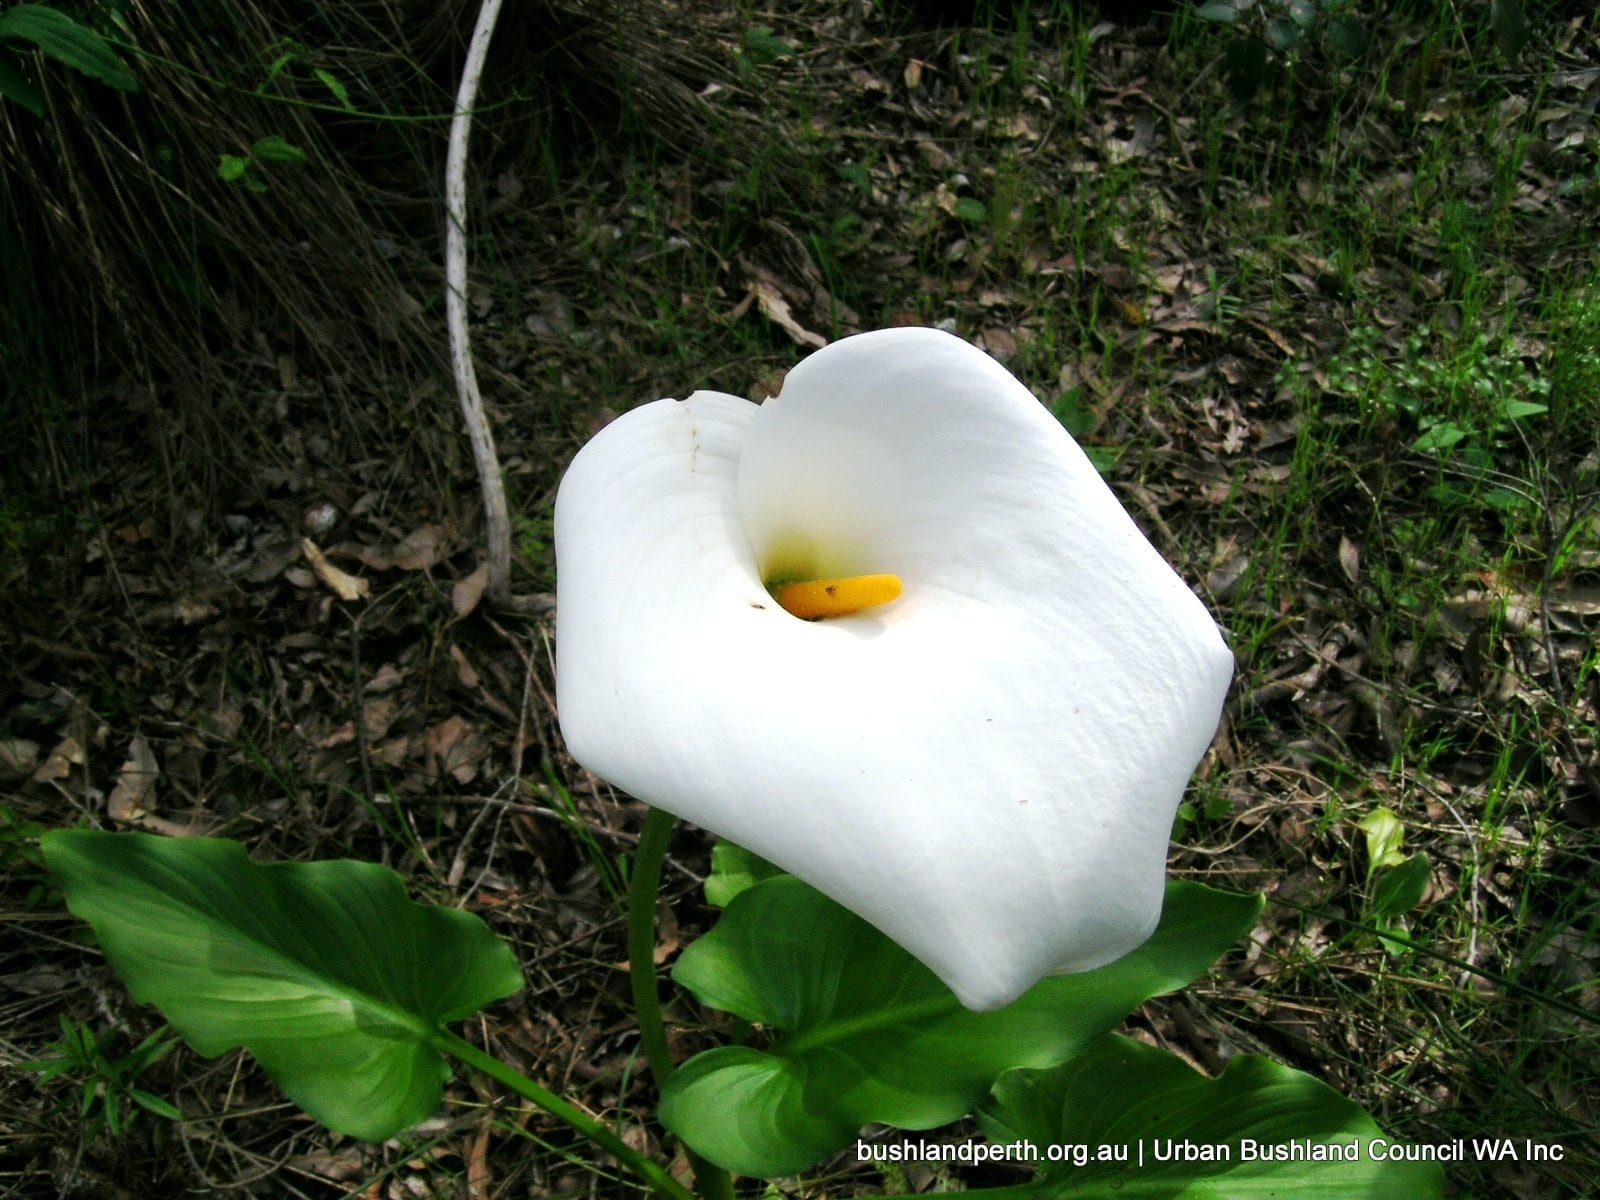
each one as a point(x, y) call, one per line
point(814, 599)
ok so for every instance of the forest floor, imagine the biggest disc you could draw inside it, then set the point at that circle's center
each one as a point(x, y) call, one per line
point(1336, 346)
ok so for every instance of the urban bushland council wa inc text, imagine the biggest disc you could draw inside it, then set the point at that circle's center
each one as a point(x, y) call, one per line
point(1245, 1150)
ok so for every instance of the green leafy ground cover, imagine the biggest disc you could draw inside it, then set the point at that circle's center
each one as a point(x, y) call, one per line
point(1336, 344)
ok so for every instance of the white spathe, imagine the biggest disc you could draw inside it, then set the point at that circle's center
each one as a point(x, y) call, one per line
point(986, 769)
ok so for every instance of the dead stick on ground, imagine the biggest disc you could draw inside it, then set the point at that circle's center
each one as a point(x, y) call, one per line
point(495, 515)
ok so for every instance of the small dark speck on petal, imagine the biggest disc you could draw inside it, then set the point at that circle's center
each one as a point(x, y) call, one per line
point(753, 604)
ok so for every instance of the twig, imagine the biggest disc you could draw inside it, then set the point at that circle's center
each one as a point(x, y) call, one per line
point(495, 514)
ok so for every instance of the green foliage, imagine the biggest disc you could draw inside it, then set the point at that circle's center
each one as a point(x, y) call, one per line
point(108, 1098)
point(761, 46)
point(1510, 26)
point(1396, 882)
point(1254, 1099)
point(325, 971)
point(64, 39)
point(247, 168)
point(1081, 420)
point(970, 210)
point(19, 853)
point(14, 85)
point(734, 870)
point(870, 1034)
point(764, 46)
point(536, 535)
point(1212, 807)
point(1385, 836)
point(273, 149)
point(1466, 397)
point(292, 54)
point(610, 868)
point(1400, 888)
point(1267, 34)
point(1573, 366)
point(1281, 28)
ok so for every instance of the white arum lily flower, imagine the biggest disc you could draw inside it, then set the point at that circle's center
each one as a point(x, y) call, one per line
point(976, 731)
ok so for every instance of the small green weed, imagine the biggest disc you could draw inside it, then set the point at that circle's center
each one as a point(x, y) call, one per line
point(291, 56)
point(536, 541)
point(761, 47)
point(1279, 30)
point(248, 168)
point(1205, 806)
point(109, 1098)
point(1466, 398)
point(1395, 881)
point(1080, 420)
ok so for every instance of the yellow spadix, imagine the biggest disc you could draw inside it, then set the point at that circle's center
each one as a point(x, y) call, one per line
point(812, 599)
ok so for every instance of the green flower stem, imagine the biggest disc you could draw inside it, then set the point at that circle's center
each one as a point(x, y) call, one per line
point(652, 1173)
point(644, 882)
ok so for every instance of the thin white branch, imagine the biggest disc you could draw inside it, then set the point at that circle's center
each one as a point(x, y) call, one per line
point(496, 517)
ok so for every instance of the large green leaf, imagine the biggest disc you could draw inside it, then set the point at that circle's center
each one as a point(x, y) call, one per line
point(65, 40)
point(324, 971)
point(1153, 1127)
point(734, 869)
point(872, 1035)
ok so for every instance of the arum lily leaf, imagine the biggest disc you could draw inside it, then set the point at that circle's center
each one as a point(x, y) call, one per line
point(1258, 1130)
point(733, 870)
point(870, 1034)
point(324, 971)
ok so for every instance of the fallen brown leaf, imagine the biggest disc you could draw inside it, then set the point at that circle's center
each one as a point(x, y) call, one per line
point(67, 754)
point(340, 583)
point(1349, 559)
point(776, 309)
point(130, 799)
point(468, 591)
point(455, 748)
point(421, 549)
